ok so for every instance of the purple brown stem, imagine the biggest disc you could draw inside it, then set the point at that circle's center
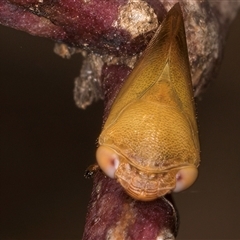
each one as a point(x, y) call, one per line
point(112, 214)
point(102, 27)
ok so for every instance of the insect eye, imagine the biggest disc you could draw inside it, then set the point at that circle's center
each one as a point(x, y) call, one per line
point(185, 178)
point(108, 160)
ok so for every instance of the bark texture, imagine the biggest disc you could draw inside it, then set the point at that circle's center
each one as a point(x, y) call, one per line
point(111, 35)
point(114, 215)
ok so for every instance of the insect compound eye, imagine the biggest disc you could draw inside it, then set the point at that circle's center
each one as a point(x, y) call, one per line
point(185, 178)
point(108, 160)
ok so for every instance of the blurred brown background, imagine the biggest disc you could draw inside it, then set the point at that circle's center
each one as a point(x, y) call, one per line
point(46, 143)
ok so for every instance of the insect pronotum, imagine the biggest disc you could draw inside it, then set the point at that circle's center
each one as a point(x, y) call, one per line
point(149, 142)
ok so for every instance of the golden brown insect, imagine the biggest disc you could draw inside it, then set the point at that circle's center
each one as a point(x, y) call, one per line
point(149, 142)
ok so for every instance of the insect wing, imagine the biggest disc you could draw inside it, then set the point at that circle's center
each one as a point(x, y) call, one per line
point(167, 47)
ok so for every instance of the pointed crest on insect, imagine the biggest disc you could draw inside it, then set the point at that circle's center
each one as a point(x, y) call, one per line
point(149, 142)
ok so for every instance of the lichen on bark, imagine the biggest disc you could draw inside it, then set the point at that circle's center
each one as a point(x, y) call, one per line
point(95, 28)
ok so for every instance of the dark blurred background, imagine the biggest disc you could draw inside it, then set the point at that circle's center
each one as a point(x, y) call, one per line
point(46, 143)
